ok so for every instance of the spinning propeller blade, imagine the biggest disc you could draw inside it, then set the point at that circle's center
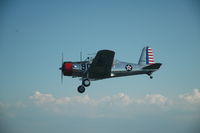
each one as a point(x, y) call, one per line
point(81, 56)
point(61, 68)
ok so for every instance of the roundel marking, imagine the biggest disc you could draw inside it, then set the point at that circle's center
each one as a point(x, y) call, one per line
point(128, 67)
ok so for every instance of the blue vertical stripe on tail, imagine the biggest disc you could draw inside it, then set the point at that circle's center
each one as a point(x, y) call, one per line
point(147, 56)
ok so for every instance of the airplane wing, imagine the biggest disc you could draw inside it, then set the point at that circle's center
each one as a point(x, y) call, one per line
point(101, 65)
point(153, 66)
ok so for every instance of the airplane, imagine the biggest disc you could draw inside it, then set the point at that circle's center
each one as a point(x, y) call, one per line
point(103, 66)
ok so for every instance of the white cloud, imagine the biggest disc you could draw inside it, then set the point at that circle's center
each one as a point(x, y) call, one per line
point(88, 106)
point(117, 99)
point(75, 105)
point(40, 98)
point(118, 105)
point(154, 99)
point(192, 98)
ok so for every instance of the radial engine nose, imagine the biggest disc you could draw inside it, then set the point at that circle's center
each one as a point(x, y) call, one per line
point(67, 68)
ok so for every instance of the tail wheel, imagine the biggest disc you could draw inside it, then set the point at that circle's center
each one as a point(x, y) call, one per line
point(81, 89)
point(149, 74)
point(86, 82)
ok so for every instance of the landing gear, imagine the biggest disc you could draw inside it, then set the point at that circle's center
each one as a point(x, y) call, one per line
point(149, 74)
point(81, 89)
point(85, 83)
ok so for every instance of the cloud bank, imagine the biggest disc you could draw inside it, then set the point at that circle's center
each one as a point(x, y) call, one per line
point(120, 99)
point(117, 105)
point(109, 106)
point(193, 98)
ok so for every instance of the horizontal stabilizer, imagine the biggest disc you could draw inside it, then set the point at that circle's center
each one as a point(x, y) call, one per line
point(153, 66)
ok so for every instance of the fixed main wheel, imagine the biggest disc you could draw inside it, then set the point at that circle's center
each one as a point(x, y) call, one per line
point(81, 89)
point(86, 82)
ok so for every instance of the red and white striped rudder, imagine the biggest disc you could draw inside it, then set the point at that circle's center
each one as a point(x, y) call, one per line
point(150, 58)
point(146, 56)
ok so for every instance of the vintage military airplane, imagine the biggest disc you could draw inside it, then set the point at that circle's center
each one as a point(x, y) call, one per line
point(104, 66)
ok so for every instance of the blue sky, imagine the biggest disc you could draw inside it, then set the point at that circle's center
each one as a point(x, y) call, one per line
point(34, 34)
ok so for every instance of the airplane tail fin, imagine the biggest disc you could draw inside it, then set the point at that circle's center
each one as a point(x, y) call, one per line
point(146, 56)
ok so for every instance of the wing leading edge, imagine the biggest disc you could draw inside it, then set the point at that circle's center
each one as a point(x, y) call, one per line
point(101, 65)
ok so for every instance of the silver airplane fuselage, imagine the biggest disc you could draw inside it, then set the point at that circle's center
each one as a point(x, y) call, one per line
point(103, 66)
point(119, 69)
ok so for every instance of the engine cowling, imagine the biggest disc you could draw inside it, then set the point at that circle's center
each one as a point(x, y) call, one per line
point(67, 68)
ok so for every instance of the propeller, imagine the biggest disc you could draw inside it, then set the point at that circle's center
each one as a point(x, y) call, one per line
point(81, 56)
point(61, 68)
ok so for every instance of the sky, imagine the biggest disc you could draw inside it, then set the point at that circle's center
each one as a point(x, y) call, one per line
point(35, 33)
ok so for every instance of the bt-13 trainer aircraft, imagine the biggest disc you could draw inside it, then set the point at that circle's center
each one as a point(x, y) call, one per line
point(104, 66)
